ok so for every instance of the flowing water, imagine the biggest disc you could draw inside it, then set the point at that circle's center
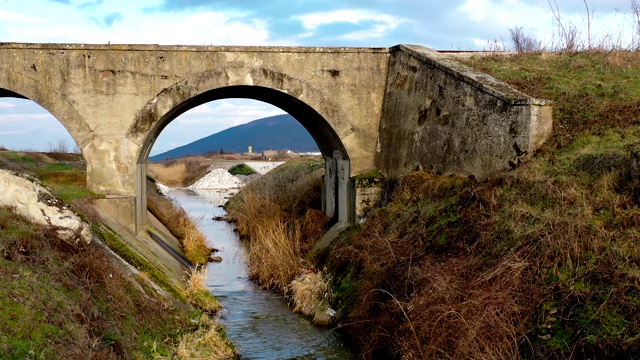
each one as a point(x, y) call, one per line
point(259, 323)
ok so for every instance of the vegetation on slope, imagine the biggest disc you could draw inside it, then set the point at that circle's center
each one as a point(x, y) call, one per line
point(241, 169)
point(194, 243)
point(64, 300)
point(539, 262)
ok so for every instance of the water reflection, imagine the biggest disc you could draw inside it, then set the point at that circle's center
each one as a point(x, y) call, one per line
point(259, 323)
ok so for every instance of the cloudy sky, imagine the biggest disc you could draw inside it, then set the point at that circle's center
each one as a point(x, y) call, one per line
point(440, 24)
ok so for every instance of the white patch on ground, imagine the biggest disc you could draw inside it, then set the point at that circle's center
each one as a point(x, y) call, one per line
point(263, 167)
point(218, 179)
point(38, 205)
point(164, 189)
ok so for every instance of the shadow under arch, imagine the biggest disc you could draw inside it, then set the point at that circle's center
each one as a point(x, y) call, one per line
point(338, 196)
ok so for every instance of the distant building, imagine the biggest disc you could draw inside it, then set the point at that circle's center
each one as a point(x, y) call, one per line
point(269, 153)
point(278, 153)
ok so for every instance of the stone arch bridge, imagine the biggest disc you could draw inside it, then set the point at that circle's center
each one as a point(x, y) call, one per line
point(385, 109)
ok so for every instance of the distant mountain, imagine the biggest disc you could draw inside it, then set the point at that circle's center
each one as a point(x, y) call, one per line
point(272, 133)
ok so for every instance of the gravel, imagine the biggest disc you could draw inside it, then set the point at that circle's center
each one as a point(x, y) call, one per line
point(263, 167)
point(218, 179)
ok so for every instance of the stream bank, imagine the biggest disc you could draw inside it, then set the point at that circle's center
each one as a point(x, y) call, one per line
point(258, 322)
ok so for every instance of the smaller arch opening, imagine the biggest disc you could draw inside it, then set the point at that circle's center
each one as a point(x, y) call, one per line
point(25, 125)
point(33, 141)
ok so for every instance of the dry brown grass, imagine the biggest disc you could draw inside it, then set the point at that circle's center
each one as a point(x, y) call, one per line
point(420, 291)
point(179, 172)
point(207, 342)
point(198, 294)
point(275, 256)
point(276, 213)
point(75, 301)
point(194, 243)
point(310, 294)
point(180, 224)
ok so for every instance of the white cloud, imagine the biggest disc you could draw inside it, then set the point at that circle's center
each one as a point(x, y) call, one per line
point(135, 26)
point(31, 130)
point(4, 104)
point(313, 20)
point(384, 22)
point(17, 17)
point(25, 119)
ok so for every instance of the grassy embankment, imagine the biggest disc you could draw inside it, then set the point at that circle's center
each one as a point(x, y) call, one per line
point(539, 262)
point(75, 301)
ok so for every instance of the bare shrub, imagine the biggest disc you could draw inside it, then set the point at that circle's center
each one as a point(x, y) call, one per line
point(635, 16)
point(522, 42)
point(60, 146)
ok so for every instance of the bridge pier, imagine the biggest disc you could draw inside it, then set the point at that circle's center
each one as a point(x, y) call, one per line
point(338, 191)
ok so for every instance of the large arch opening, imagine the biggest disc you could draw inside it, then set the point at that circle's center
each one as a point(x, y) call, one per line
point(338, 197)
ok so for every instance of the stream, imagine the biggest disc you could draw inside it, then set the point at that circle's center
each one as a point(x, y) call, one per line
point(258, 323)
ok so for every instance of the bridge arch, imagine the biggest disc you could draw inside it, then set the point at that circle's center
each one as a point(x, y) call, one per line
point(19, 86)
point(324, 120)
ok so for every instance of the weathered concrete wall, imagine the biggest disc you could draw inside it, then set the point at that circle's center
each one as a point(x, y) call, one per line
point(111, 97)
point(115, 99)
point(440, 114)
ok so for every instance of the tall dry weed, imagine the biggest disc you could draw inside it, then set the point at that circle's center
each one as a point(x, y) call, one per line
point(275, 256)
point(194, 243)
point(179, 172)
point(168, 174)
point(464, 313)
point(279, 216)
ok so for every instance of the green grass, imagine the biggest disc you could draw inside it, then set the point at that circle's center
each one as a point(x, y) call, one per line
point(241, 169)
point(18, 157)
point(62, 301)
point(607, 79)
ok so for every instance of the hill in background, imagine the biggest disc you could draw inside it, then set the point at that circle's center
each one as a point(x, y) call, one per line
point(272, 133)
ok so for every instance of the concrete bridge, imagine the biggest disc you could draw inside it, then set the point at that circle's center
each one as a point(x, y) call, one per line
point(386, 109)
